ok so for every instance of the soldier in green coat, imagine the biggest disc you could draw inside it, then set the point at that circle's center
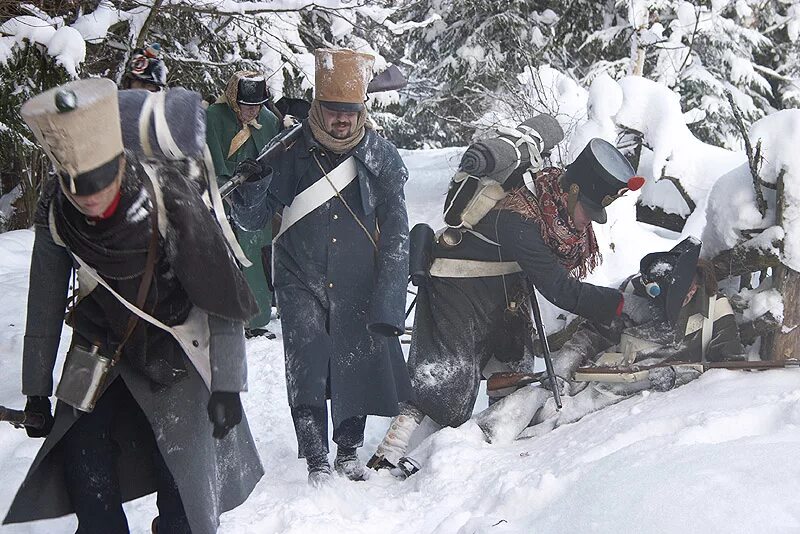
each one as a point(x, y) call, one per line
point(238, 127)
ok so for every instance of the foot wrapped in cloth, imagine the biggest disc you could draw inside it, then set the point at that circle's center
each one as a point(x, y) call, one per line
point(395, 442)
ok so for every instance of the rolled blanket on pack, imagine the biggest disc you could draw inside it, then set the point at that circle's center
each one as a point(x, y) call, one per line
point(547, 127)
point(498, 157)
point(485, 157)
point(182, 113)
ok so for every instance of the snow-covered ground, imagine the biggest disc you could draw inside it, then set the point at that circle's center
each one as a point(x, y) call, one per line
point(717, 455)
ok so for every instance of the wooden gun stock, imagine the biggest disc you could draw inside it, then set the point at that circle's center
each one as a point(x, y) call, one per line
point(18, 418)
point(631, 373)
point(510, 379)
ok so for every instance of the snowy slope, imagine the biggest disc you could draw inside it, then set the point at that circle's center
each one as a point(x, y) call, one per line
point(716, 455)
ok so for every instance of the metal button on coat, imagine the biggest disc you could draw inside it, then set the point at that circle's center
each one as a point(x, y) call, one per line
point(335, 216)
point(330, 284)
point(333, 240)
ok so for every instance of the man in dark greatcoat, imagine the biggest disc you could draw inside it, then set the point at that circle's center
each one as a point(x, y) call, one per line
point(162, 300)
point(341, 265)
point(473, 316)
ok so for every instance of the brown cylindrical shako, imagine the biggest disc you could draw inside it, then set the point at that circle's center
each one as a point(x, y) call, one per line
point(341, 78)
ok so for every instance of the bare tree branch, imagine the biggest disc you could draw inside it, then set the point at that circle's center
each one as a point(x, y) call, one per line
point(761, 203)
point(140, 39)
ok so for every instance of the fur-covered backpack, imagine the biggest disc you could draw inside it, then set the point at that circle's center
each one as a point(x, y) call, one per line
point(171, 125)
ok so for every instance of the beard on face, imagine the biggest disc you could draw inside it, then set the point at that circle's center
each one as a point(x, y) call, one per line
point(340, 129)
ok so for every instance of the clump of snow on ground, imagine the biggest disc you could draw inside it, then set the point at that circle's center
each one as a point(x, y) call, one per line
point(762, 302)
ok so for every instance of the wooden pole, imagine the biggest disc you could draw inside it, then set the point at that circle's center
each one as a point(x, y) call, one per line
point(785, 342)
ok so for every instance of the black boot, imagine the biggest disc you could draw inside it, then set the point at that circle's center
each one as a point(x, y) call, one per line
point(348, 465)
point(319, 471)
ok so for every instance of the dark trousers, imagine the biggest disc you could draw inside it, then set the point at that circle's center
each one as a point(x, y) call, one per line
point(90, 454)
point(311, 427)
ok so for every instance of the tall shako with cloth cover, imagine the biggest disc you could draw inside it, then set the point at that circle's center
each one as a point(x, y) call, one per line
point(153, 262)
point(341, 265)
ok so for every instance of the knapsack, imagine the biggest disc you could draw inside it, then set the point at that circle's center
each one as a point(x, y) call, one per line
point(492, 167)
point(171, 125)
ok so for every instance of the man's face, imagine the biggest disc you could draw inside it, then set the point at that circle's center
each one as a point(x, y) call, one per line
point(339, 124)
point(249, 111)
point(579, 217)
point(96, 204)
point(141, 84)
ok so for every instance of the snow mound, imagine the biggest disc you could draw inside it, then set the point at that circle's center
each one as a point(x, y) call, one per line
point(654, 110)
point(732, 202)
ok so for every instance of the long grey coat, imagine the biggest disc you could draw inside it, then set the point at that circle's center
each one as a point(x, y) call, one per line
point(212, 475)
point(334, 289)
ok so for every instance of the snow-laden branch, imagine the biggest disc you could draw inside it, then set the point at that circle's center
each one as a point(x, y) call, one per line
point(232, 7)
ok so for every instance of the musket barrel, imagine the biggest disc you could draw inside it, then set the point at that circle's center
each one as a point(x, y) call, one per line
point(548, 361)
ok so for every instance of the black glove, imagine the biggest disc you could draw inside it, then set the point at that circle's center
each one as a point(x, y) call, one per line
point(224, 411)
point(638, 309)
point(39, 406)
point(252, 169)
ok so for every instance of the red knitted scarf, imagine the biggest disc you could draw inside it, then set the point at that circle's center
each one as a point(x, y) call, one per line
point(577, 251)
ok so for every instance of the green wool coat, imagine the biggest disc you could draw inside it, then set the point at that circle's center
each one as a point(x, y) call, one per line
point(221, 126)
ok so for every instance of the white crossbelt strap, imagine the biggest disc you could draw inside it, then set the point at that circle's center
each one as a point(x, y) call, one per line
point(219, 210)
point(455, 268)
point(319, 193)
point(154, 106)
point(193, 335)
point(482, 237)
point(708, 325)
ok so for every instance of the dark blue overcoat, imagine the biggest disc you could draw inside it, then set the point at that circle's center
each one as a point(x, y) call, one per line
point(341, 299)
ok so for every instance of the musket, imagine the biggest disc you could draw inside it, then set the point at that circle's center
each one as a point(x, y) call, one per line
point(548, 361)
point(277, 146)
point(389, 80)
point(20, 418)
point(633, 373)
point(511, 379)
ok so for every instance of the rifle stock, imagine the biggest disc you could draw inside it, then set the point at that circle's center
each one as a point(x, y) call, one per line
point(509, 379)
point(19, 418)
